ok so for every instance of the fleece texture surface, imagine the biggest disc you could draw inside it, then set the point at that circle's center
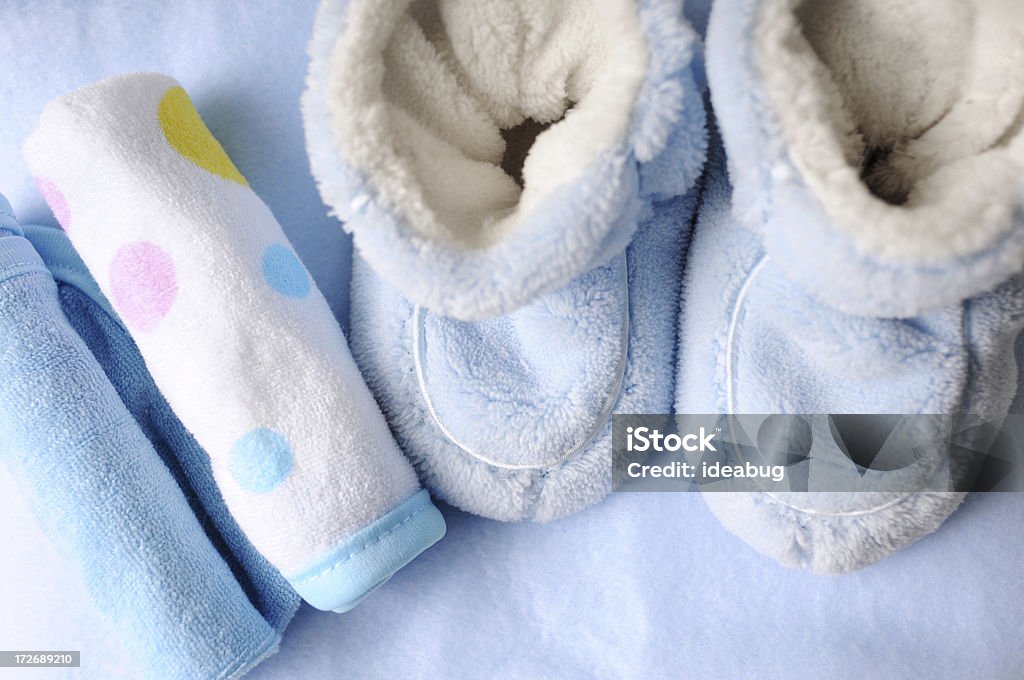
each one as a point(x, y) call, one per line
point(887, 135)
point(756, 340)
point(105, 497)
point(478, 165)
point(509, 417)
point(496, 420)
point(235, 334)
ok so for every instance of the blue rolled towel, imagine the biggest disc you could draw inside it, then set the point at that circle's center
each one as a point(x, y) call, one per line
point(517, 178)
point(860, 252)
point(104, 496)
point(91, 316)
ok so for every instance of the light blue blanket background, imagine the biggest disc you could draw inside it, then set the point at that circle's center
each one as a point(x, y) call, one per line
point(640, 585)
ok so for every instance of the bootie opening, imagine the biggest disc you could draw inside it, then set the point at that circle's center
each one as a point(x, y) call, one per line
point(464, 116)
point(904, 118)
point(518, 141)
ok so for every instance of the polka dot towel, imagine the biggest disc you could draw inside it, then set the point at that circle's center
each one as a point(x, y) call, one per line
point(235, 333)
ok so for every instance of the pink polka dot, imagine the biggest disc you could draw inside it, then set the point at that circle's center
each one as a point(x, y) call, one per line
point(143, 284)
point(55, 199)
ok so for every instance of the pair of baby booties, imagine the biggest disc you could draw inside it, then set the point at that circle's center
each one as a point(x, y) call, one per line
point(859, 251)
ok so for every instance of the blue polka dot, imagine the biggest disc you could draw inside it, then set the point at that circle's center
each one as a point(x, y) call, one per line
point(260, 460)
point(283, 271)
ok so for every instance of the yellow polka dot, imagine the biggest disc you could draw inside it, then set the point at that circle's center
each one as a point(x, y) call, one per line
point(186, 132)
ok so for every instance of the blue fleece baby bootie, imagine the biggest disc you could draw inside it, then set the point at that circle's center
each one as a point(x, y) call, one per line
point(863, 253)
point(493, 162)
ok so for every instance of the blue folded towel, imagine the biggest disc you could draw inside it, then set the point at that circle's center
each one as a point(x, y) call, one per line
point(102, 492)
point(90, 315)
point(828, 274)
point(494, 161)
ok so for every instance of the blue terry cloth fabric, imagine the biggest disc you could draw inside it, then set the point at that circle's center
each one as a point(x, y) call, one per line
point(783, 313)
point(499, 326)
point(104, 496)
point(91, 316)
